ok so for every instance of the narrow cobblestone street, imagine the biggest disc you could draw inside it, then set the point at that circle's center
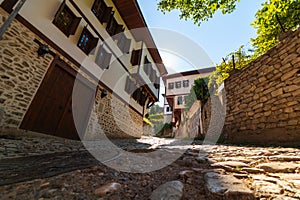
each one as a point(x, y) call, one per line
point(32, 168)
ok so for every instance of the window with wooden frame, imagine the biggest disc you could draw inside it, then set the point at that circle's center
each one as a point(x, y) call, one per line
point(66, 20)
point(178, 84)
point(87, 42)
point(186, 83)
point(171, 86)
point(186, 99)
point(113, 28)
point(124, 43)
point(103, 58)
point(179, 100)
point(8, 5)
point(136, 57)
point(101, 11)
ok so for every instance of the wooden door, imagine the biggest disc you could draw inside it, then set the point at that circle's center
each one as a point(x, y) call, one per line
point(51, 109)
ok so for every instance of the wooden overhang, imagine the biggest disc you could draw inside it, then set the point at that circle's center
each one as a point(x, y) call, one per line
point(133, 17)
point(188, 73)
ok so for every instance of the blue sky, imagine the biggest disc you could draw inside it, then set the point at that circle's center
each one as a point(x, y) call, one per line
point(218, 36)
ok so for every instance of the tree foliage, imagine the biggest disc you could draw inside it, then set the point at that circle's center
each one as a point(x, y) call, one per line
point(199, 91)
point(268, 28)
point(197, 10)
point(241, 58)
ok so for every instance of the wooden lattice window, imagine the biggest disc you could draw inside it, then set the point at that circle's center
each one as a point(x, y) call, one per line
point(103, 58)
point(66, 20)
point(101, 11)
point(87, 42)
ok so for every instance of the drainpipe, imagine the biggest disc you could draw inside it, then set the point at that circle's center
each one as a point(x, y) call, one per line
point(11, 17)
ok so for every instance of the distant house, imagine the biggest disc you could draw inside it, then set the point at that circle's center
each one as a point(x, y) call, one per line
point(53, 41)
point(178, 87)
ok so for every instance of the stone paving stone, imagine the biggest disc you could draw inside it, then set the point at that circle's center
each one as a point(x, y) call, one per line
point(276, 167)
point(268, 172)
point(267, 187)
point(233, 164)
point(284, 158)
point(170, 190)
point(226, 187)
point(253, 170)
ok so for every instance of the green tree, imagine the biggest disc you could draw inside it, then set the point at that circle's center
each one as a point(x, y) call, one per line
point(241, 58)
point(197, 10)
point(268, 28)
point(199, 91)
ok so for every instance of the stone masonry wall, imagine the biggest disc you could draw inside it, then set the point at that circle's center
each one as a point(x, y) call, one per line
point(22, 72)
point(263, 99)
point(114, 119)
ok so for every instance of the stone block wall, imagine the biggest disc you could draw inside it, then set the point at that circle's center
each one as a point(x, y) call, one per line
point(113, 118)
point(263, 99)
point(22, 72)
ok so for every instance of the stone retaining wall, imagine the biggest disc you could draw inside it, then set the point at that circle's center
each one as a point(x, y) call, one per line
point(263, 99)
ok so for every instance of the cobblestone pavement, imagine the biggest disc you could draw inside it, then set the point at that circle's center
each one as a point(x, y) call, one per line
point(55, 168)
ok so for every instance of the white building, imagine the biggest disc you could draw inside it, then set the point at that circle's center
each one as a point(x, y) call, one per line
point(76, 37)
point(178, 87)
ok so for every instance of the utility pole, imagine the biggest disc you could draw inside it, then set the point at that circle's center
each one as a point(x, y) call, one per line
point(11, 17)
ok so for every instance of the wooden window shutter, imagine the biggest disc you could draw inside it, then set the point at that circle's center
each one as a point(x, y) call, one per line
point(127, 85)
point(103, 58)
point(60, 9)
point(106, 15)
point(93, 44)
point(100, 57)
point(107, 58)
point(8, 5)
point(74, 25)
point(136, 57)
point(132, 87)
point(127, 45)
point(119, 29)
